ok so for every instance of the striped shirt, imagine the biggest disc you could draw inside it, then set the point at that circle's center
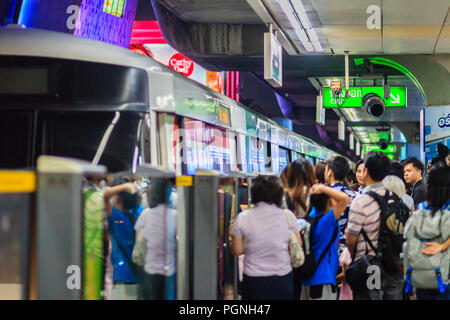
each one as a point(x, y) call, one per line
point(365, 214)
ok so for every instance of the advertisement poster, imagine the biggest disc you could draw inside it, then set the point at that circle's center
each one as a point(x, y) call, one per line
point(168, 56)
point(436, 129)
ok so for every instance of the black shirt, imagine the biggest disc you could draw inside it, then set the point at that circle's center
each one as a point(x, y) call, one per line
point(418, 192)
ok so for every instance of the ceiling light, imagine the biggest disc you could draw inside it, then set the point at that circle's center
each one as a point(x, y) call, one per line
point(296, 14)
point(301, 12)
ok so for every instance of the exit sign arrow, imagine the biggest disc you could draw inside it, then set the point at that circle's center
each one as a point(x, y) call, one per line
point(395, 99)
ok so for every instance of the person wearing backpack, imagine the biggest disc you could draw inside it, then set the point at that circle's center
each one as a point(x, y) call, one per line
point(427, 234)
point(327, 207)
point(123, 211)
point(363, 225)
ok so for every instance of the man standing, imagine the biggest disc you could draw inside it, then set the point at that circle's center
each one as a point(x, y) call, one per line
point(413, 170)
point(335, 172)
point(364, 217)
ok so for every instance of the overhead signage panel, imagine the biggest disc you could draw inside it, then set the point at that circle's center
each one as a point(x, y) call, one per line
point(374, 147)
point(273, 60)
point(398, 97)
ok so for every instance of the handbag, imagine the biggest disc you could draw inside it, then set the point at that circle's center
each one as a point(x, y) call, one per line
point(140, 246)
point(356, 275)
point(295, 249)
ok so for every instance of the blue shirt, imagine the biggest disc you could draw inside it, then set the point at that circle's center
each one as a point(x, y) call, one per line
point(124, 231)
point(322, 233)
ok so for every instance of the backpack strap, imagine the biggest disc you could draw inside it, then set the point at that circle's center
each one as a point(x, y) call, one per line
point(122, 249)
point(327, 248)
point(366, 238)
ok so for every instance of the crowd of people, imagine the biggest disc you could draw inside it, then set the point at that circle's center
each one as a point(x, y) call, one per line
point(381, 233)
point(139, 236)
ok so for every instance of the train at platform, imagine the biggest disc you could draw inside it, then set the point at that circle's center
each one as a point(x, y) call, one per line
point(73, 97)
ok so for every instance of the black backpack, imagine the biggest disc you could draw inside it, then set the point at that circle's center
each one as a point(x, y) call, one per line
point(309, 267)
point(390, 241)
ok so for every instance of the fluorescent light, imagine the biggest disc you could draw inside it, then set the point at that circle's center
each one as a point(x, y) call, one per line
point(301, 12)
point(298, 19)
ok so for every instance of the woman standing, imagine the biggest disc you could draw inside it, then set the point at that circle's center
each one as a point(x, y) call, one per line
point(427, 233)
point(262, 234)
point(299, 178)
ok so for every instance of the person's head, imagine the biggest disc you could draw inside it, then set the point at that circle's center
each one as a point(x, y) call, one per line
point(350, 179)
point(396, 169)
point(413, 170)
point(376, 167)
point(337, 169)
point(447, 160)
point(267, 189)
point(438, 187)
point(300, 177)
point(127, 201)
point(395, 185)
point(321, 202)
point(157, 193)
point(319, 170)
point(359, 172)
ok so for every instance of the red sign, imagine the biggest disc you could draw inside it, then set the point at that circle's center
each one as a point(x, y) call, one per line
point(181, 64)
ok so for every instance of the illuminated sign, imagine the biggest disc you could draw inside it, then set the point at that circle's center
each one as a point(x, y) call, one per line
point(356, 95)
point(374, 147)
point(114, 7)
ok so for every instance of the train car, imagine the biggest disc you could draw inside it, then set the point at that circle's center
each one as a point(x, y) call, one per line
point(74, 97)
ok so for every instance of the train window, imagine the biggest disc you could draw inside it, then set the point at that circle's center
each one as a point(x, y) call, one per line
point(145, 139)
point(284, 158)
point(16, 131)
point(79, 135)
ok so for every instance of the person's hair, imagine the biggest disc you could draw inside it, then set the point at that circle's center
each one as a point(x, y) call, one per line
point(129, 200)
point(351, 178)
point(340, 167)
point(438, 188)
point(157, 193)
point(300, 174)
point(360, 162)
point(397, 170)
point(267, 189)
point(436, 161)
point(378, 165)
point(319, 170)
point(394, 184)
point(416, 164)
point(319, 201)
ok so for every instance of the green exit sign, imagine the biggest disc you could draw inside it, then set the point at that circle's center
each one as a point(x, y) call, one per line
point(397, 97)
point(374, 147)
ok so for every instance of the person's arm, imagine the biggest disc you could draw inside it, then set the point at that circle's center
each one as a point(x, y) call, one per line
point(435, 247)
point(354, 226)
point(340, 198)
point(350, 241)
point(237, 245)
point(111, 192)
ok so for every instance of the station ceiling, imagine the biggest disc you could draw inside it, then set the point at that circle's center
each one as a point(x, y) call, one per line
point(407, 27)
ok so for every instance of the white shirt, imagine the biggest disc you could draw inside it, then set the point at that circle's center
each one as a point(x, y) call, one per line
point(159, 227)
